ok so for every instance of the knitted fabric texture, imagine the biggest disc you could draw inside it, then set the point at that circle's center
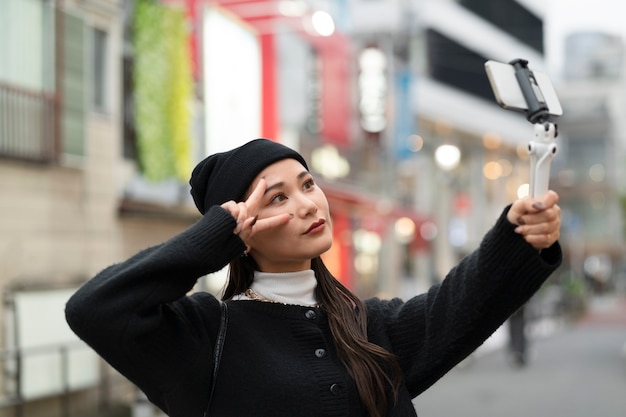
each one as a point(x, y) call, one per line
point(226, 176)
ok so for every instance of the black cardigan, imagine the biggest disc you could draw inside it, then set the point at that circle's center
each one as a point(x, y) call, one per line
point(280, 360)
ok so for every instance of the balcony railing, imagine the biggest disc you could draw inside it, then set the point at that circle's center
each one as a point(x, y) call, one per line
point(28, 124)
point(18, 389)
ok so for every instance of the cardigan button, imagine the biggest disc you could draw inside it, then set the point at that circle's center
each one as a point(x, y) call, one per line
point(310, 314)
point(320, 353)
point(335, 389)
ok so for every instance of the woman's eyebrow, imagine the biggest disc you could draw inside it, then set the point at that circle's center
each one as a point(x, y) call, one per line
point(281, 184)
point(273, 186)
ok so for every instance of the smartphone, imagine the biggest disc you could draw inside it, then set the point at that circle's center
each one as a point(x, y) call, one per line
point(508, 92)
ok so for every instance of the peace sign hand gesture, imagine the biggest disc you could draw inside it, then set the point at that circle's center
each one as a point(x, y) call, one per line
point(248, 223)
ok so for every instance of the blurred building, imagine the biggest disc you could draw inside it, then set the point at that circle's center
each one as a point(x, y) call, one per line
point(591, 168)
point(60, 137)
point(454, 153)
point(288, 72)
point(103, 118)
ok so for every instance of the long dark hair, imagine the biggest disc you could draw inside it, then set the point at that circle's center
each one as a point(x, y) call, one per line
point(373, 368)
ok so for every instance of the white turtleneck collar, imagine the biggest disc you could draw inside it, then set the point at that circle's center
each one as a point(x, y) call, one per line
point(296, 288)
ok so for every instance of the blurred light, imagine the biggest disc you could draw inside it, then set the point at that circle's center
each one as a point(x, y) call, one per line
point(372, 84)
point(323, 23)
point(491, 141)
point(492, 170)
point(522, 151)
point(596, 172)
point(507, 167)
point(372, 58)
point(365, 264)
point(523, 191)
point(428, 231)
point(416, 143)
point(329, 163)
point(462, 203)
point(366, 242)
point(405, 230)
point(447, 157)
point(292, 8)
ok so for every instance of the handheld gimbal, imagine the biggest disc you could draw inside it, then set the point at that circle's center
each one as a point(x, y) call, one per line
point(518, 88)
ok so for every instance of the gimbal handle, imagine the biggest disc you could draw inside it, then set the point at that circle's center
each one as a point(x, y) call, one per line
point(541, 151)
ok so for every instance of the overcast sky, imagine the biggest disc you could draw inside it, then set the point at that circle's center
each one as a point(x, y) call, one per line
point(565, 16)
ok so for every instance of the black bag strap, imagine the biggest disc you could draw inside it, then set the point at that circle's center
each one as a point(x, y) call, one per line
point(217, 352)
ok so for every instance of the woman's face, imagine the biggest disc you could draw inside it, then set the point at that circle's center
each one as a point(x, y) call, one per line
point(291, 246)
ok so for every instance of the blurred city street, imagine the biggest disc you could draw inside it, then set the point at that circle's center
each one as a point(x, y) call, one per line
point(578, 370)
point(402, 110)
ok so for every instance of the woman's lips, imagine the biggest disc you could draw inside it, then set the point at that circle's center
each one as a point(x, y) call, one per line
point(315, 227)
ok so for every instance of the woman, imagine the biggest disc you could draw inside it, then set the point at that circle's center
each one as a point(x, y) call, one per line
point(297, 343)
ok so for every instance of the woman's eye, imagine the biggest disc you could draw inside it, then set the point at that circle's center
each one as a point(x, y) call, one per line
point(277, 198)
point(308, 184)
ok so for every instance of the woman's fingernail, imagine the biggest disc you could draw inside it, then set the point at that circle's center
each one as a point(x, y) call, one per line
point(520, 221)
point(539, 205)
point(518, 230)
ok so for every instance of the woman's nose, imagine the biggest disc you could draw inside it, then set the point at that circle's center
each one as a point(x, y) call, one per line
point(306, 206)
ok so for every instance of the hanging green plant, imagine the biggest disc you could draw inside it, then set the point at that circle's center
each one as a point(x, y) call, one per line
point(162, 86)
point(181, 90)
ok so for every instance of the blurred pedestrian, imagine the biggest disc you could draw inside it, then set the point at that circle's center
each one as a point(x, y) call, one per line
point(518, 342)
point(292, 340)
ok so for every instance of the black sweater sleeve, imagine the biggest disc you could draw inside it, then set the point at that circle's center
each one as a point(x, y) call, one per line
point(434, 331)
point(137, 316)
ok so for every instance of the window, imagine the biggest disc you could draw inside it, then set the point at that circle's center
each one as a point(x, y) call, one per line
point(73, 141)
point(512, 17)
point(99, 62)
point(25, 26)
point(457, 66)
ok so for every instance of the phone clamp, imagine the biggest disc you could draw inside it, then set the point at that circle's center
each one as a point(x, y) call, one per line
point(542, 149)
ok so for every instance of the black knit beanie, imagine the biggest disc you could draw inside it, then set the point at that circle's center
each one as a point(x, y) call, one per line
point(227, 175)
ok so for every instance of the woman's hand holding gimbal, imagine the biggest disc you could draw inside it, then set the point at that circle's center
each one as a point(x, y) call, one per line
point(537, 220)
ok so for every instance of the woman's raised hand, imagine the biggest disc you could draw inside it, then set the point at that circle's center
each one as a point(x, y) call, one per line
point(537, 220)
point(245, 213)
